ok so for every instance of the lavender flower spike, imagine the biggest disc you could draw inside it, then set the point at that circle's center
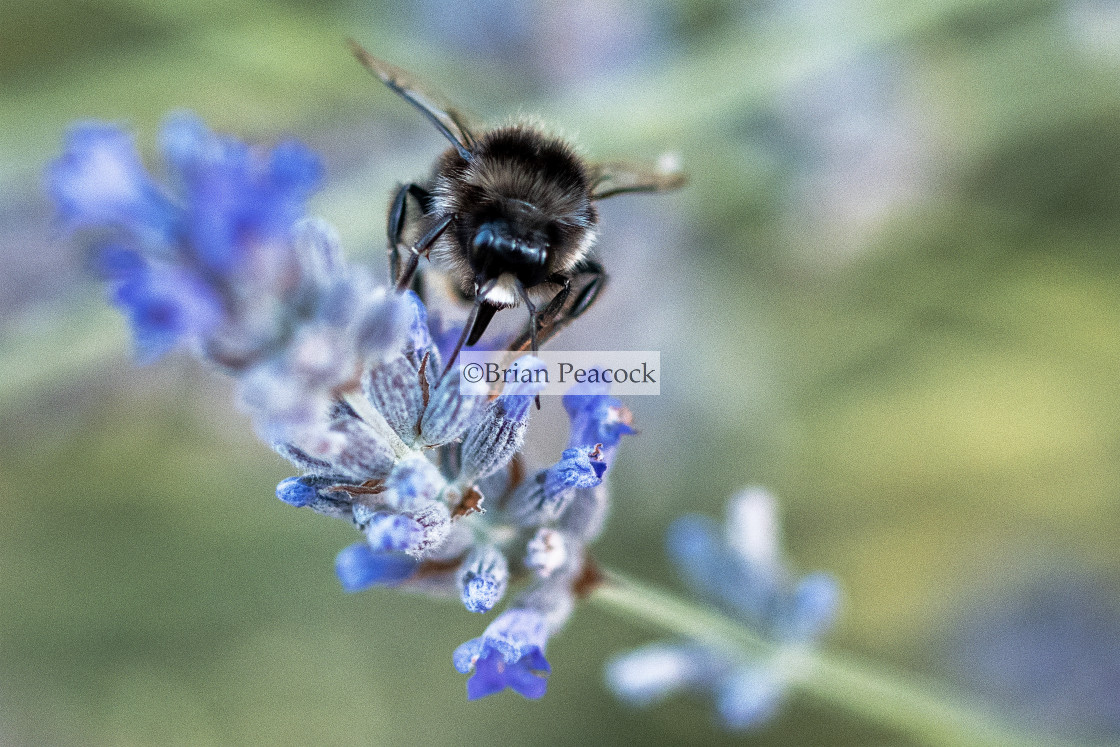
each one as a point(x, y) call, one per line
point(344, 379)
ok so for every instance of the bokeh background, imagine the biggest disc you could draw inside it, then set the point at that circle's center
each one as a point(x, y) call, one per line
point(890, 294)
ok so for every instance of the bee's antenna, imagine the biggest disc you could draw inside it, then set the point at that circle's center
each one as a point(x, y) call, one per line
point(399, 83)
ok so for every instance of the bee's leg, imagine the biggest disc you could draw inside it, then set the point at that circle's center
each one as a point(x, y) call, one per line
point(533, 322)
point(557, 302)
point(561, 310)
point(420, 248)
point(588, 294)
point(398, 210)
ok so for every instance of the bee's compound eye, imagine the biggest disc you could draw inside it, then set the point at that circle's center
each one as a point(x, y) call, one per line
point(483, 241)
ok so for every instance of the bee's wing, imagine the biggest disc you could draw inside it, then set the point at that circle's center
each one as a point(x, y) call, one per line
point(616, 178)
point(451, 123)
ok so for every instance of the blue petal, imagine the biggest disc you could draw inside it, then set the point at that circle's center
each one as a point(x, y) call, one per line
point(164, 306)
point(749, 698)
point(117, 263)
point(295, 491)
point(358, 567)
point(535, 660)
point(574, 470)
point(489, 677)
point(99, 180)
point(694, 547)
point(526, 683)
point(237, 199)
point(186, 144)
point(816, 601)
point(295, 170)
point(466, 654)
point(596, 419)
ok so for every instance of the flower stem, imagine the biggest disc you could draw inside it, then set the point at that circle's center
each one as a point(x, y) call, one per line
point(924, 711)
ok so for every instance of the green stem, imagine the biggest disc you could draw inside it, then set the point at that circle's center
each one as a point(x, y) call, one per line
point(924, 711)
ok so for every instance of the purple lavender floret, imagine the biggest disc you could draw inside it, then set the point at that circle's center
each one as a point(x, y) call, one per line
point(235, 200)
point(99, 181)
point(597, 418)
point(510, 653)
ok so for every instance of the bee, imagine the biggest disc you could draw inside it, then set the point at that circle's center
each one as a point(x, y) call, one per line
point(509, 212)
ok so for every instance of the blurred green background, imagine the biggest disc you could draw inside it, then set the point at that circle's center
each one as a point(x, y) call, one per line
point(889, 295)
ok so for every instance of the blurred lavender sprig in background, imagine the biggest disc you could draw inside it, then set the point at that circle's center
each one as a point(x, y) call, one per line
point(739, 568)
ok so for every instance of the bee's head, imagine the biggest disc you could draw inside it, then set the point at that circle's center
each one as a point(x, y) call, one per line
point(502, 245)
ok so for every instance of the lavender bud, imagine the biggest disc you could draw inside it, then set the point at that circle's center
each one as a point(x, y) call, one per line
point(306, 492)
point(434, 521)
point(543, 497)
point(413, 483)
point(450, 411)
point(393, 388)
point(358, 567)
point(751, 528)
point(386, 532)
point(491, 444)
point(361, 451)
point(650, 674)
point(749, 697)
point(482, 579)
point(295, 491)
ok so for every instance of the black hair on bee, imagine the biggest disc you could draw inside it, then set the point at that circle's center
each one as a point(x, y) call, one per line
point(509, 213)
